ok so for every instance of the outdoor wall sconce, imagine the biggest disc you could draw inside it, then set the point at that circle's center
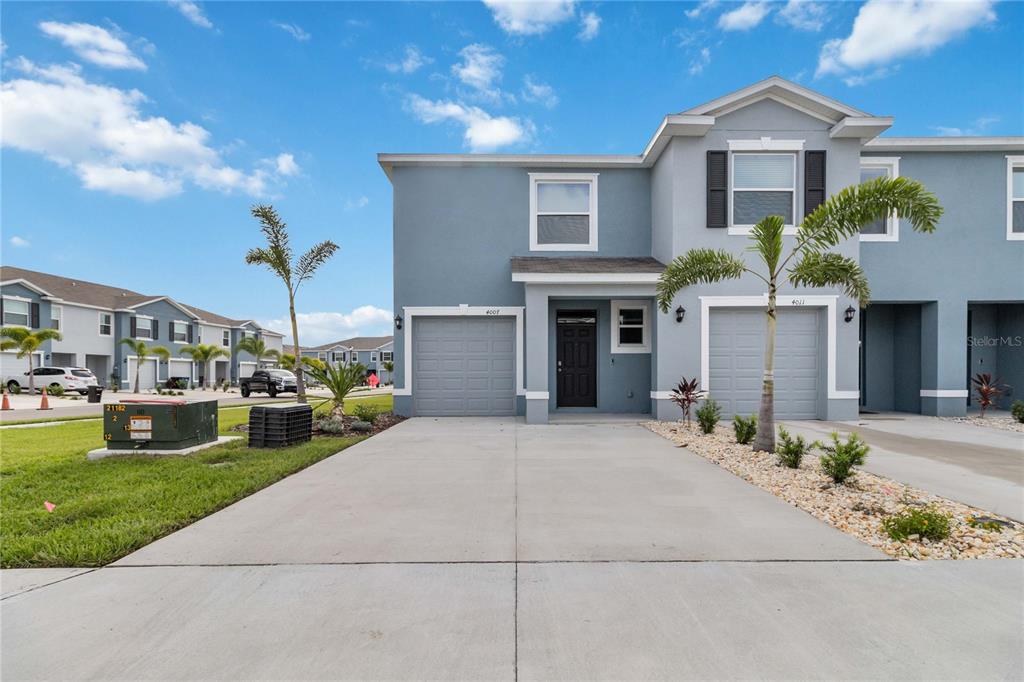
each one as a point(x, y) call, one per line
point(680, 313)
point(850, 312)
point(398, 321)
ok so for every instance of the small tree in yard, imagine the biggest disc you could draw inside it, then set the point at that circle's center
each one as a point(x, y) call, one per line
point(807, 264)
point(142, 351)
point(277, 257)
point(257, 348)
point(204, 354)
point(339, 380)
point(287, 361)
point(26, 342)
point(164, 355)
point(686, 395)
point(988, 390)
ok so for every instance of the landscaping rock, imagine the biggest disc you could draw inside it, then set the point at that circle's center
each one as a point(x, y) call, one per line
point(1003, 423)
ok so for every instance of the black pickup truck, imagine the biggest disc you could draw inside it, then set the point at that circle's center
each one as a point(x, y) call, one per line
point(270, 381)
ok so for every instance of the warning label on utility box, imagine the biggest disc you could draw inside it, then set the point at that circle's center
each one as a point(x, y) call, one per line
point(141, 428)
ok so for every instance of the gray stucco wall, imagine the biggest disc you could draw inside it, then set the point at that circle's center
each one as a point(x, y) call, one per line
point(163, 313)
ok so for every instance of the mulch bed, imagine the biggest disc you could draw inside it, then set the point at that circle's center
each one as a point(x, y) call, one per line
point(383, 422)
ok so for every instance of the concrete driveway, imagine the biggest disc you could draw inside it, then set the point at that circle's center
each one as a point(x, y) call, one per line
point(488, 549)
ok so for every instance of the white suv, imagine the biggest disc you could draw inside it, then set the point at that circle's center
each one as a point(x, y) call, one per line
point(69, 378)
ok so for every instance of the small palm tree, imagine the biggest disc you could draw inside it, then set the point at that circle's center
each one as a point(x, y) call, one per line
point(257, 348)
point(204, 353)
point(389, 367)
point(277, 257)
point(287, 361)
point(164, 354)
point(339, 380)
point(26, 342)
point(838, 219)
point(142, 351)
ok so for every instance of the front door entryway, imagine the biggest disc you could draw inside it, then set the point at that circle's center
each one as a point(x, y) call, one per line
point(576, 358)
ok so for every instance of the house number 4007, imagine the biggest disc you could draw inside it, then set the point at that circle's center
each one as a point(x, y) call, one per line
point(493, 311)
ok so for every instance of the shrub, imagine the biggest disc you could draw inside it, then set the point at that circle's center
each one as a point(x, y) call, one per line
point(988, 390)
point(15, 389)
point(365, 412)
point(1017, 410)
point(686, 395)
point(225, 385)
point(332, 425)
point(745, 428)
point(708, 415)
point(57, 391)
point(362, 427)
point(839, 459)
point(923, 522)
point(789, 450)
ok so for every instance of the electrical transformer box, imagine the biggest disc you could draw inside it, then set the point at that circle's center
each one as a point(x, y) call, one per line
point(139, 424)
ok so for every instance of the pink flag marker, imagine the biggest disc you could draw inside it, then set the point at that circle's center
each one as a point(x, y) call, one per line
point(50, 506)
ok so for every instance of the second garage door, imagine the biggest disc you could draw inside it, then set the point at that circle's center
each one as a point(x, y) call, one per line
point(464, 366)
point(736, 362)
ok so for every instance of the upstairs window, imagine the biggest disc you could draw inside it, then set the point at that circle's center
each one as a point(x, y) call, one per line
point(386, 355)
point(106, 324)
point(143, 328)
point(762, 185)
point(563, 212)
point(179, 332)
point(1015, 197)
point(630, 327)
point(16, 312)
point(226, 338)
point(56, 316)
point(871, 168)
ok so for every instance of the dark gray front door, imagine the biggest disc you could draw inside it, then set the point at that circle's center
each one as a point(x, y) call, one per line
point(576, 341)
point(464, 366)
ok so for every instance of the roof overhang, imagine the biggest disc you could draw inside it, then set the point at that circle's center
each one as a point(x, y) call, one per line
point(27, 284)
point(863, 127)
point(946, 144)
point(780, 90)
point(585, 277)
point(169, 300)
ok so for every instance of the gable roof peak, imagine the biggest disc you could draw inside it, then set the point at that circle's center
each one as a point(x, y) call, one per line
point(785, 91)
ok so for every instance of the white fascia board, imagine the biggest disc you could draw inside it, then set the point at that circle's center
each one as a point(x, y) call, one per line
point(586, 277)
point(169, 300)
point(781, 90)
point(27, 284)
point(946, 144)
point(864, 128)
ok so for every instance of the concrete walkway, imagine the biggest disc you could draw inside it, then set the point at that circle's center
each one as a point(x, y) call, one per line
point(982, 467)
point(488, 549)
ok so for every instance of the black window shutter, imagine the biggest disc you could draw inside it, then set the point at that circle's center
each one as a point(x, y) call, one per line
point(35, 316)
point(132, 326)
point(718, 189)
point(814, 180)
point(155, 326)
point(190, 333)
point(1, 311)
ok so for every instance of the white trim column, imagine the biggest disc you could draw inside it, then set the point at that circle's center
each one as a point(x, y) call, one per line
point(537, 352)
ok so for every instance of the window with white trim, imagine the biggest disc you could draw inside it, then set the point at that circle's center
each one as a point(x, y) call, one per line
point(373, 356)
point(563, 212)
point(56, 316)
point(106, 324)
point(226, 338)
point(762, 185)
point(16, 312)
point(871, 168)
point(386, 355)
point(143, 328)
point(179, 332)
point(1015, 197)
point(630, 327)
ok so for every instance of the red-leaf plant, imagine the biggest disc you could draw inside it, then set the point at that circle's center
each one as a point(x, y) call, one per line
point(988, 390)
point(686, 395)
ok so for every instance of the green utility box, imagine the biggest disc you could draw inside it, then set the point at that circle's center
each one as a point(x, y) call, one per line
point(137, 424)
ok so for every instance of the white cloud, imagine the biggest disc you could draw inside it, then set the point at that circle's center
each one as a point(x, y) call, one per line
point(698, 63)
point(327, 327)
point(886, 30)
point(979, 127)
point(353, 204)
point(191, 11)
point(590, 26)
point(483, 132)
point(286, 165)
point(20, 242)
point(294, 30)
point(480, 69)
point(530, 17)
point(541, 93)
point(100, 133)
point(745, 17)
point(410, 63)
point(94, 44)
point(701, 8)
point(804, 15)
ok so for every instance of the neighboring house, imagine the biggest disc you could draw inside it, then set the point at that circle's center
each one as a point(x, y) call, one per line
point(525, 284)
point(370, 351)
point(93, 318)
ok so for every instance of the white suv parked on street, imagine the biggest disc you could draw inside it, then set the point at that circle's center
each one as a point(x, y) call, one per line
point(69, 378)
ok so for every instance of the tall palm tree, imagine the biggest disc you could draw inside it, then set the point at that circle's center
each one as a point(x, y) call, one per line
point(257, 348)
point(808, 263)
point(142, 351)
point(26, 342)
point(339, 380)
point(277, 257)
point(204, 354)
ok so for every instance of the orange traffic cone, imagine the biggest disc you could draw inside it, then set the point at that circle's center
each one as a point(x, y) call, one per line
point(7, 402)
point(44, 404)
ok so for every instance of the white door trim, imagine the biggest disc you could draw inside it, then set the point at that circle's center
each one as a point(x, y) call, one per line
point(411, 312)
point(131, 374)
point(944, 393)
point(786, 301)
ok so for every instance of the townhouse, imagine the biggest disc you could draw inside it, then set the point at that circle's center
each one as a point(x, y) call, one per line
point(525, 284)
point(373, 352)
point(94, 318)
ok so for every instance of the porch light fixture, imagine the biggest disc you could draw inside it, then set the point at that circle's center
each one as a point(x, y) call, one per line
point(680, 313)
point(398, 321)
point(850, 312)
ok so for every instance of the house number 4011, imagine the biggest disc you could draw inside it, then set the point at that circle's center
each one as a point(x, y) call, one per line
point(797, 301)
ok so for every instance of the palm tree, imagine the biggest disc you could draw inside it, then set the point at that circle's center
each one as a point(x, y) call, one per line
point(165, 355)
point(389, 367)
point(339, 380)
point(277, 257)
point(205, 353)
point(142, 351)
point(809, 261)
point(287, 361)
point(26, 342)
point(257, 348)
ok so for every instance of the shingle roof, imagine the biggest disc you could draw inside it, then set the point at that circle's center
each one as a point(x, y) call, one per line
point(355, 343)
point(595, 264)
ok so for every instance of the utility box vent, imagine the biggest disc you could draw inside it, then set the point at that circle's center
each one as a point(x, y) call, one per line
point(138, 424)
point(277, 426)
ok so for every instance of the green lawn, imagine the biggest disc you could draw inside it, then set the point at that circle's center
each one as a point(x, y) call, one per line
point(109, 508)
point(385, 403)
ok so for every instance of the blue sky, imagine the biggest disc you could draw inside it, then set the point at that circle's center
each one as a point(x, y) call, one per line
point(137, 135)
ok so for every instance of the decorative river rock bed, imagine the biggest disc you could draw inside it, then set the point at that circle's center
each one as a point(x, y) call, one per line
point(856, 507)
point(1003, 423)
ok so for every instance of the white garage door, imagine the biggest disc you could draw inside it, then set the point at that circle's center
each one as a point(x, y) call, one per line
point(245, 369)
point(147, 375)
point(13, 368)
point(180, 368)
point(464, 366)
point(736, 355)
